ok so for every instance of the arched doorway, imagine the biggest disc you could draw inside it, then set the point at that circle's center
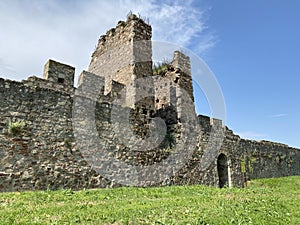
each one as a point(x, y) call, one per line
point(222, 167)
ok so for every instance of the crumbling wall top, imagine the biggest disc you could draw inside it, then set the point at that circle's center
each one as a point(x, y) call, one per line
point(133, 29)
point(182, 62)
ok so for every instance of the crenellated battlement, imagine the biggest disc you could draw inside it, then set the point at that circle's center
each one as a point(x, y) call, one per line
point(59, 73)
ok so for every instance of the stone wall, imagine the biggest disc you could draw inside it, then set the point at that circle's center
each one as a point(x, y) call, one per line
point(268, 159)
point(45, 155)
point(71, 134)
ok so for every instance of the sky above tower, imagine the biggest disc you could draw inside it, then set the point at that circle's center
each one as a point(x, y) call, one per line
point(252, 47)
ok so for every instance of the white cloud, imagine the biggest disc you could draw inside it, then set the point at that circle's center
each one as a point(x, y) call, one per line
point(278, 115)
point(176, 21)
point(67, 31)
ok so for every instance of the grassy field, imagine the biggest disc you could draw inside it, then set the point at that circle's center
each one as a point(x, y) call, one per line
point(265, 201)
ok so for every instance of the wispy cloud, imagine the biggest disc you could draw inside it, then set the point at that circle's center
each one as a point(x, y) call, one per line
point(176, 21)
point(6, 69)
point(34, 31)
point(278, 115)
point(252, 135)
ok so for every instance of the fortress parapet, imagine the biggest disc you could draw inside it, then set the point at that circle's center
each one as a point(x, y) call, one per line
point(59, 73)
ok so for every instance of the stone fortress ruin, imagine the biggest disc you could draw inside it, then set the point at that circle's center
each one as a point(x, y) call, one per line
point(63, 128)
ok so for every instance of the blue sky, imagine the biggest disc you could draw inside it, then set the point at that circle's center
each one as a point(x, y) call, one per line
point(256, 61)
point(252, 47)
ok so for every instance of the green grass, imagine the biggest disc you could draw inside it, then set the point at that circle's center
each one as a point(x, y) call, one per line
point(265, 201)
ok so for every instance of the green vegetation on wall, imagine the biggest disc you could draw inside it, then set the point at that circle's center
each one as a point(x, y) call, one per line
point(16, 128)
point(243, 167)
point(161, 67)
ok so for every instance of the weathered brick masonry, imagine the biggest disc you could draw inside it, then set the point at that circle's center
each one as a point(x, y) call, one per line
point(47, 154)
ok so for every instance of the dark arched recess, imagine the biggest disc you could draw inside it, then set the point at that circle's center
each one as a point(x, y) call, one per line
point(222, 170)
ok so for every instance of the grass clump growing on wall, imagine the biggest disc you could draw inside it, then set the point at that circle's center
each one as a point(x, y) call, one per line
point(16, 128)
point(160, 68)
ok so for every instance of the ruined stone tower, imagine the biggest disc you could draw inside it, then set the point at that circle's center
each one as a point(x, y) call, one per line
point(183, 75)
point(124, 55)
point(173, 86)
